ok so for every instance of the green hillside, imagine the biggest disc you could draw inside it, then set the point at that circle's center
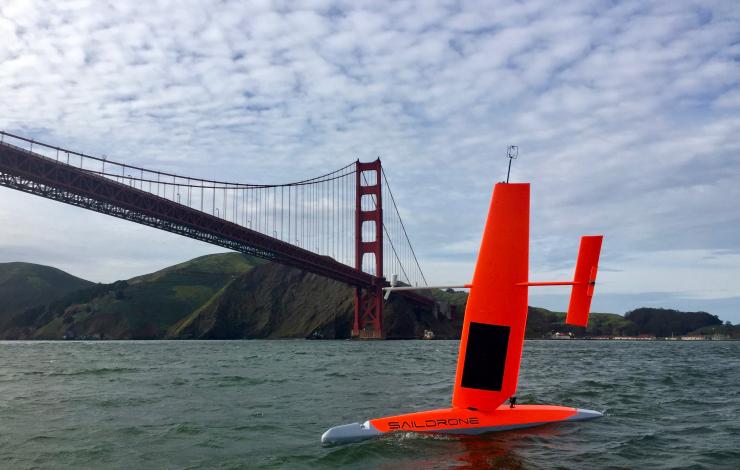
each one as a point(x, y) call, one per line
point(275, 301)
point(542, 323)
point(727, 330)
point(140, 308)
point(230, 295)
point(666, 322)
point(27, 285)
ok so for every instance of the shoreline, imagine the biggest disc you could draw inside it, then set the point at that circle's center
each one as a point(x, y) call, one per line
point(92, 340)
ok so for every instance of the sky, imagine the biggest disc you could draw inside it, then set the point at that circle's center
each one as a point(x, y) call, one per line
point(626, 114)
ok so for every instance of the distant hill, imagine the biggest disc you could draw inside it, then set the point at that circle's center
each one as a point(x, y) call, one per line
point(727, 330)
point(143, 307)
point(542, 323)
point(27, 285)
point(275, 301)
point(217, 297)
point(667, 322)
point(230, 295)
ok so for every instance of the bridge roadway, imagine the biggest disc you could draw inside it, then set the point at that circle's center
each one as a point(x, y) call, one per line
point(33, 173)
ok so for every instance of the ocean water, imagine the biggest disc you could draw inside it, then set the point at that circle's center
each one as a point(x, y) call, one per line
point(265, 404)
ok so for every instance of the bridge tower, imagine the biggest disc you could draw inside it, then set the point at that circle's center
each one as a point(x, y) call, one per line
point(368, 321)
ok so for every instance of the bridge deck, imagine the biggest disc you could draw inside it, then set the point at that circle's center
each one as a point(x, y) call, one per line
point(33, 173)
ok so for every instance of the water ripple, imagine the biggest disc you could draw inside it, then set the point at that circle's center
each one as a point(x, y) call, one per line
point(264, 404)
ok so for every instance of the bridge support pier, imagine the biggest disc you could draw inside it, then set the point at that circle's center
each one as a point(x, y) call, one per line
point(368, 313)
point(369, 210)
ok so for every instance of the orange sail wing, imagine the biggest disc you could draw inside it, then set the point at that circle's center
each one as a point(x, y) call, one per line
point(496, 312)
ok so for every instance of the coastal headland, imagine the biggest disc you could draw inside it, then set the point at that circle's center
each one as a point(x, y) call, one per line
point(235, 296)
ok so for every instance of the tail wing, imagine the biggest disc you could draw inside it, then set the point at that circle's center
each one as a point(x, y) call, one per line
point(496, 312)
point(584, 280)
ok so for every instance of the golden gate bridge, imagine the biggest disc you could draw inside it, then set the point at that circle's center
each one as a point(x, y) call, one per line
point(333, 225)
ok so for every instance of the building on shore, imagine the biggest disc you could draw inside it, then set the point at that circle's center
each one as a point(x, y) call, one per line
point(636, 338)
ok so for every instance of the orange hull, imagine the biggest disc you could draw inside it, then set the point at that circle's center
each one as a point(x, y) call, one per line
point(458, 421)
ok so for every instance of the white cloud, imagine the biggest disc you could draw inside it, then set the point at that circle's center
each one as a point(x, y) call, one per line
point(626, 114)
